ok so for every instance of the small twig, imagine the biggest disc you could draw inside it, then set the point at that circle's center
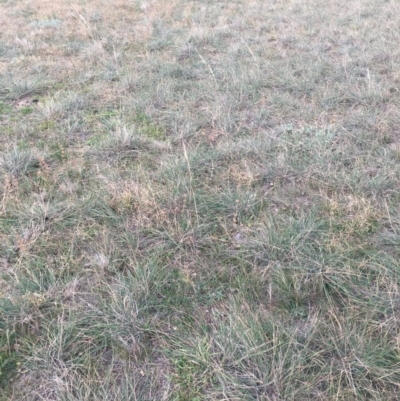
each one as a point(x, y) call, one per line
point(208, 66)
point(190, 180)
point(84, 22)
point(249, 49)
point(116, 59)
point(390, 219)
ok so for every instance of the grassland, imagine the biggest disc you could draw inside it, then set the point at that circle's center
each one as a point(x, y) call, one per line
point(199, 200)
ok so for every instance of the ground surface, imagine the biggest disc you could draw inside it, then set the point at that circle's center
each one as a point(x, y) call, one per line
point(199, 200)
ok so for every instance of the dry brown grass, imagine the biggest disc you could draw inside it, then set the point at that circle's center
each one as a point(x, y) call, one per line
point(199, 200)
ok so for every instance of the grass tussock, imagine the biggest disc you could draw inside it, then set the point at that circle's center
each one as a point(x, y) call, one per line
point(199, 200)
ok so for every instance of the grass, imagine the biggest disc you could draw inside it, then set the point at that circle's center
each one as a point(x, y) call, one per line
point(199, 200)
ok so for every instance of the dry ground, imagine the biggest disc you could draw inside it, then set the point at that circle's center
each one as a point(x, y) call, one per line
point(199, 200)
